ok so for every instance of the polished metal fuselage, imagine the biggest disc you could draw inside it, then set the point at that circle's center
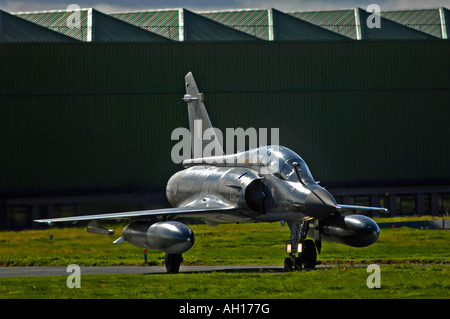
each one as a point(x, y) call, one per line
point(226, 183)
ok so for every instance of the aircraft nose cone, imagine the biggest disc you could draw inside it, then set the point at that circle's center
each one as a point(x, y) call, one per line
point(319, 203)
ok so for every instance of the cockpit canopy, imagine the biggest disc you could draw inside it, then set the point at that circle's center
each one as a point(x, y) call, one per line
point(285, 164)
point(275, 160)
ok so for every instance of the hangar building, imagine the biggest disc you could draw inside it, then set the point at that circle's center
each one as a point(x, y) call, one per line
point(88, 102)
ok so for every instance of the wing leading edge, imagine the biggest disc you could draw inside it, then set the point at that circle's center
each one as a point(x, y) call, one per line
point(341, 208)
point(193, 210)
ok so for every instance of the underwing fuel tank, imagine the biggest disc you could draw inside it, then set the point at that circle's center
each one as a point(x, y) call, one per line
point(351, 230)
point(171, 237)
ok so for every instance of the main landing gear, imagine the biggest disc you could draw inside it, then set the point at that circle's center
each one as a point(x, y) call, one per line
point(173, 262)
point(306, 248)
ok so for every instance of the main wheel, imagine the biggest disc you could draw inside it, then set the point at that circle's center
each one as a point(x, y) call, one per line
point(173, 262)
point(309, 254)
point(288, 264)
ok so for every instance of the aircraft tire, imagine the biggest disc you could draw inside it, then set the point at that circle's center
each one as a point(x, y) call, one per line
point(288, 264)
point(309, 254)
point(173, 262)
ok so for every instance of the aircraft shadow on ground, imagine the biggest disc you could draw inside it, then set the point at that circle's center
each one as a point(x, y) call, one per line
point(236, 270)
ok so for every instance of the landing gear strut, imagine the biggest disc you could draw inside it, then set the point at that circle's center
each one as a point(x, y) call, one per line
point(306, 248)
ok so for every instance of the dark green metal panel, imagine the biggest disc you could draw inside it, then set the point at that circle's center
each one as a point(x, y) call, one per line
point(80, 117)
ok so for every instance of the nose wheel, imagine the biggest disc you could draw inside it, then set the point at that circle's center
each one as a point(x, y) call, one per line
point(306, 248)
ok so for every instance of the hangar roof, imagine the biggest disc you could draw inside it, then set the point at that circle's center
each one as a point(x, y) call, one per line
point(251, 21)
point(339, 21)
point(272, 25)
point(14, 29)
point(228, 25)
point(435, 22)
point(162, 22)
point(183, 25)
point(351, 23)
point(93, 26)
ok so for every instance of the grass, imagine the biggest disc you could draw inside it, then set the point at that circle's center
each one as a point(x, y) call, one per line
point(418, 265)
point(408, 218)
point(397, 281)
point(230, 244)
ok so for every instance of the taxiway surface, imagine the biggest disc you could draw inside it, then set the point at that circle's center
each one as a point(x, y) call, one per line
point(132, 270)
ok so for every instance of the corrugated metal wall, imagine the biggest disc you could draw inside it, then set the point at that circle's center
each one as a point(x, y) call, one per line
point(100, 116)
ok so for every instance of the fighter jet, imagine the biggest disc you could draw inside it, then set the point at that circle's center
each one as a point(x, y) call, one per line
point(266, 184)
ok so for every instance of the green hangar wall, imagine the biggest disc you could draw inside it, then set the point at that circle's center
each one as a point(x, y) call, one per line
point(78, 118)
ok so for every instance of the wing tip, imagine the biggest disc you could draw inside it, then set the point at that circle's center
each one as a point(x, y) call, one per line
point(43, 221)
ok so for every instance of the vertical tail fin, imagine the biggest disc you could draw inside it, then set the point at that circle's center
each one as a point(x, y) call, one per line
point(199, 122)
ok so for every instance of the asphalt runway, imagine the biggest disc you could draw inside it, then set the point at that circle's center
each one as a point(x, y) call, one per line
point(10, 272)
point(131, 270)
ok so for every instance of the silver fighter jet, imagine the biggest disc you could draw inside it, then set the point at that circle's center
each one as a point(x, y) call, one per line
point(265, 184)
